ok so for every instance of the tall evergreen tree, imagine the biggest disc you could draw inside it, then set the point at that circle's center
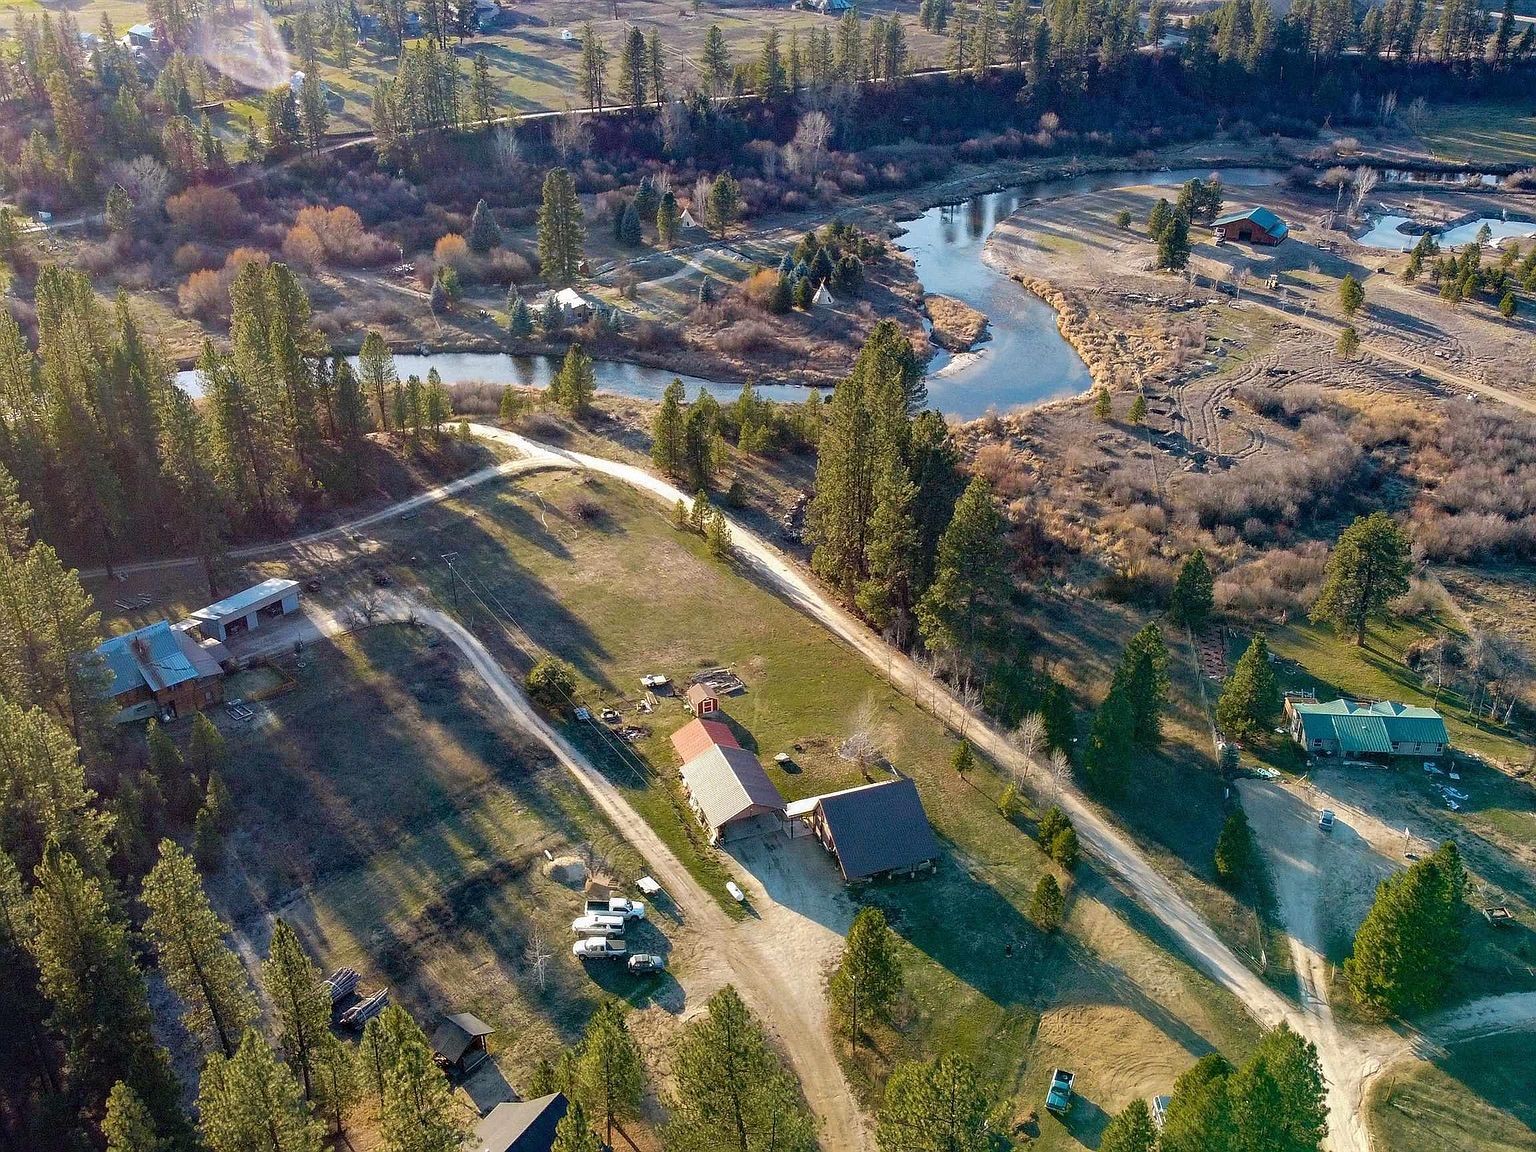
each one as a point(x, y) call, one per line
point(1250, 701)
point(1143, 676)
point(128, 1125)
point(189, 941)
point(250, 1103)
point(732, 1091)
point(609, 1068)
point(959, 612)
point(868, 977)
point(1193, 592)
point(938, 1106)
point(1106, 760)
point(560, 229)
point(302, 1007)
point(667, 444)
point(1367, 570)
point(1407, 947)
point(100, 1005)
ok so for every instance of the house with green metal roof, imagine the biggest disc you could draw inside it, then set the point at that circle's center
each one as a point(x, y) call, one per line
point(159, 670)
point(1352, 728)
point(1251, 226)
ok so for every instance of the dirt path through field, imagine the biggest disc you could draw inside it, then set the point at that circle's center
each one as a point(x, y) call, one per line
point(771, 956)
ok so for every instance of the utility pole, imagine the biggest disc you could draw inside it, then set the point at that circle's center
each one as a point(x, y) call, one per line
point(448, 558)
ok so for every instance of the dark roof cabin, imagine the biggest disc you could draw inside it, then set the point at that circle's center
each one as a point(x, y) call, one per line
point(523, 1126)
point(460, 1042)
point(1253, 226)
point(874, 830)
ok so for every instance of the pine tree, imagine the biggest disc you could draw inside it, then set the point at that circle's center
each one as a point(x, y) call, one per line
point(630, 233)
point(128, 1126)
point(119, 210)
point(1173, 244)
point(303, 1009)
point(577, 381)
point(100, 1008)
point(939, 1106)
point(634, 67)
point(519, 320)
point(959, 612)
point(250, 1101)
point(723, 204)
point(1193, 593)
point(1131, 1131)
point(717, 535)
point(560, 229)
point(574, 1132)
point(609, 1068)
point(1102, 407)
point(667, 430)
point(418, 1113)
point(1143, 675)
point(1351, 295)
point(1347, 347)
point(868, 977)
point(1367, 570)
point(47, 801)
point(594, 67)
point(885, 596)
point(1106, 760)
point(484, 232)
point(1138, 409)
point(715, 63)
point(170, 773)
point(207, 840)
point(1047, 906)
point(667, 220)
point(1159, 219)
point(962, 760)
point(731, 1089)
point(189, 941)
point(1199, 1115)
point(1279, 1097)
point(1250, 700)
point(376, 372)
point(1407, 947)
point(1235, 850)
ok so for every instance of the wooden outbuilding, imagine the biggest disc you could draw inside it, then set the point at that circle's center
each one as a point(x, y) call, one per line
point(1251, 226)
point(460, 1043)
point(702, 699)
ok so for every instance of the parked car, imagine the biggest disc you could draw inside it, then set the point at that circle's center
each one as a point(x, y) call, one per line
point(597, 948)
point(736, 893)
point(1325, 821)
point(647, 962)
point(598, 926)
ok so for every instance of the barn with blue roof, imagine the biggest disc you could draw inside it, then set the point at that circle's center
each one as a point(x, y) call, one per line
point(1251, 226)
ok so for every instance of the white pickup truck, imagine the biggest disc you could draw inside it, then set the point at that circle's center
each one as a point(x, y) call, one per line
point(599, 947)
point(616, 906)
point(598, 925)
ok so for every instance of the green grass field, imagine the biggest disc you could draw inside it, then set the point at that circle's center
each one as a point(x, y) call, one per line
point(1482, 133)
point(619, 593)
point(1479, 1097)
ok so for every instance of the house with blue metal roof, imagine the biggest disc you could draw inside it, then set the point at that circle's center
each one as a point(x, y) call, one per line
point(159, 671)
point(1352, 728)
point(243, 611)
point(1251, 226)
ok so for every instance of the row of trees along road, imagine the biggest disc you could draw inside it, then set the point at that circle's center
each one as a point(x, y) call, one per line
point(117, 460)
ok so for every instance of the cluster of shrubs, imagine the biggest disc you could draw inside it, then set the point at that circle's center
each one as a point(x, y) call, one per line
point(835, 258)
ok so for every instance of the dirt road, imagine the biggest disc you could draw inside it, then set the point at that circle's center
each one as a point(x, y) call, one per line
point(771, 957)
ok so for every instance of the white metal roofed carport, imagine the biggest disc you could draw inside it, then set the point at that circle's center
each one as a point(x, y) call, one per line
point(242, 611)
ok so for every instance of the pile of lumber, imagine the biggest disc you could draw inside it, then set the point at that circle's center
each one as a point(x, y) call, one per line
point(340, 984)
point(365, 1010)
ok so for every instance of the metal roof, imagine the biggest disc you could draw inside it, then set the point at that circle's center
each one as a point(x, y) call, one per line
point(877, 828)
point(1373, 727)
point(1263, 217)
point(524, 1126)
point(242, 603)
point(456, 1033)
point(151, 657)
point(729, 784)
point(699, 736)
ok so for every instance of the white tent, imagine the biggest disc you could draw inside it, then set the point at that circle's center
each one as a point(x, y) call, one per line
point(822, 296)
point(687, 220)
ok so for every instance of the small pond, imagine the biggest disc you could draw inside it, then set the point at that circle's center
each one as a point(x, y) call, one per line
point(1386, 232)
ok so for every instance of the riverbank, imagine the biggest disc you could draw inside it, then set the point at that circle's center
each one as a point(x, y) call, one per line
point(957, 327)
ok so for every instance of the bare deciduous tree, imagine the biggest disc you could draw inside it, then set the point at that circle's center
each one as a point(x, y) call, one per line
point(571, 136)
point(507, 148)
point(1061, 773)
point(146, 180)
point(1364, 180)
point(537, 956)
point(809, 147)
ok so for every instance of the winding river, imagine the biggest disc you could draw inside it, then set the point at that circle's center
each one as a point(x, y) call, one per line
point(1024, 361)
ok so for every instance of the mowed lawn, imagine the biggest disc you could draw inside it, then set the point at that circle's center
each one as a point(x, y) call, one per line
point(596, 574)
point(388, 812)
point(1479, 1097)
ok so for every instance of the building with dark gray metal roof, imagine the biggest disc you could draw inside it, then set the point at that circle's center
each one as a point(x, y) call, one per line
point(874, 830)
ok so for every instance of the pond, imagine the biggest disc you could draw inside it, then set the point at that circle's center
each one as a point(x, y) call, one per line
point(1025, 361)
point(1386, 232)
